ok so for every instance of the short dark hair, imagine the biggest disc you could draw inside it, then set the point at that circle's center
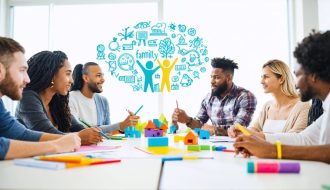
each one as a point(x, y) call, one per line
point(8, 47)
point(313, 54)
point(78, 71)
point(227, 65)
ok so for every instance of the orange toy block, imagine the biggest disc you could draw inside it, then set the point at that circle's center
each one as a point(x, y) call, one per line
point(191, 138)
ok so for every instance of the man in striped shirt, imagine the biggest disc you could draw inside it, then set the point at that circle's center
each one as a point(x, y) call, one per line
point(224, 106)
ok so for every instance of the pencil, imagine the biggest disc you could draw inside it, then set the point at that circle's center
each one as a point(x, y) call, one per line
point(242, 129)
point(137, 111)
point(89, 126)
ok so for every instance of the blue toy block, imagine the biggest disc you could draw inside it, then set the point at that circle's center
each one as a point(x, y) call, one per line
point(157, 123)
point(129, 132)
point(204, 134)
point(197, 130)
point(220, 148)
point(157, 141)
point(137, 134)
point(172, 129)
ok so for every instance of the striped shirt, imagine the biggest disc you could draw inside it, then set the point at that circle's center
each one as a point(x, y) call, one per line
point(237, 106)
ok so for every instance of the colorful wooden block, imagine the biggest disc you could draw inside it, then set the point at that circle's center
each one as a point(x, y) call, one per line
point(197, 130)
point(172, 129)
point(157, 123)
point(178, 138)
point(157, 141)
point(129, 132)
point(191, 138)
point(204, 134)
point(194, 148)
point(153, 133)
point(220, 148)
point(137, 134)
point(150, 125)
point(205, 147)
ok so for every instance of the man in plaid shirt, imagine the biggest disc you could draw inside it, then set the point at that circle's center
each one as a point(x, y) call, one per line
point(225, 105)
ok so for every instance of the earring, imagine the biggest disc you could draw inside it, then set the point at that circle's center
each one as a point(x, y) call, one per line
point(52, 84)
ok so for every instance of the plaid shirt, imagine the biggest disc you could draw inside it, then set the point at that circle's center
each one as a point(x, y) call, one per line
point(237, 106)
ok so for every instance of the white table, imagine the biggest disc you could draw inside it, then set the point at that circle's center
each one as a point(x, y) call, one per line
point(139, 170)
point(227, 172)
point(127, 174)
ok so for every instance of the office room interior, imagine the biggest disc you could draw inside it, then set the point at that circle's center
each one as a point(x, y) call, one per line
point(116, 34)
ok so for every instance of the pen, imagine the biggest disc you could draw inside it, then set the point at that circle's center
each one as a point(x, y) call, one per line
point(89, 126)
point(137, 111)
point(177, 104)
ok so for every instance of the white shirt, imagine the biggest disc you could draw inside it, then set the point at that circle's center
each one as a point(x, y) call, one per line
point(82, 107)
point(318, 133)
point(273, 126)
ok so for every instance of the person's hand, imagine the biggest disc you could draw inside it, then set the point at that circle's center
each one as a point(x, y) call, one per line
point(179, 115)
point(252, 145)
point(209, 128)
point(130, 120)
point(233, 132)
point(67, 143)
point(90, 136)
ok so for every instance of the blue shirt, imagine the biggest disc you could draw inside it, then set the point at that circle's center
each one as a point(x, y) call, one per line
point(10, 128)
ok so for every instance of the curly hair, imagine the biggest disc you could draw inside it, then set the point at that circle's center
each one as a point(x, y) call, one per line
point(78, 71)
point(227, 65)
point(43, 66)
point(313, 54)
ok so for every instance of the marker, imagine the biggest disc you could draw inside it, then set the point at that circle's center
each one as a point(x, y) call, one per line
point(137, 111)
point(89, 126)
point(273, 167)
point(242, 129)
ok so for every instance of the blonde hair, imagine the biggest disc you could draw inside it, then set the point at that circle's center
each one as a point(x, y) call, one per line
point(280, 69)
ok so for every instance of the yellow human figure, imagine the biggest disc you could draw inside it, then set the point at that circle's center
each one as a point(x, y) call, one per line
point(166, 68)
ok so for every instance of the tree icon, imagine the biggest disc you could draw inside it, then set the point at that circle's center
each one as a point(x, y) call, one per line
point(166, 47)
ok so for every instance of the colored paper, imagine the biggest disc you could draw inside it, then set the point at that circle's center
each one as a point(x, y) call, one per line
point(96, 148)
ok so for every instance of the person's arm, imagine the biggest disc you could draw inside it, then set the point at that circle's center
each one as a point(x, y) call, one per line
point(49, 137)
point(30, 110)
point(309, 136)
point(251, 145)
point(107, 120)
point(246, 107)
point(21, 149)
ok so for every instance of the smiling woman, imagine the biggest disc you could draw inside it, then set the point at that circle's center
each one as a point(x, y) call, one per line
point(44, 106)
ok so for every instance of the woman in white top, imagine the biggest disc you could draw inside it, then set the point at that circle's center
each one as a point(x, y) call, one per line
point(286, 113)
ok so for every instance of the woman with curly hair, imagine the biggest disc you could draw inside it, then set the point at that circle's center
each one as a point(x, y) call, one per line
point(45, 103)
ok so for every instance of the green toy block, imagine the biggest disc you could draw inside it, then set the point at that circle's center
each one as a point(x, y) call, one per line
point(213, 147)
point(194, 147)
point(205, 147)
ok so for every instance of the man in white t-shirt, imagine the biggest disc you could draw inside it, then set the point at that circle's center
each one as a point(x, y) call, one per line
point(313, 81)
point(87, 105)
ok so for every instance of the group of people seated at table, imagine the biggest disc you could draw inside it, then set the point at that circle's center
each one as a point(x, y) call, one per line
point(59, 109)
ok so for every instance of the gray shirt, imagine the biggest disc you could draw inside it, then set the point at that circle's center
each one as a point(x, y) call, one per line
point(31, 112)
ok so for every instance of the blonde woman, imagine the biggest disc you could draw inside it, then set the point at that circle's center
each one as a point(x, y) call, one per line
point(286, 113)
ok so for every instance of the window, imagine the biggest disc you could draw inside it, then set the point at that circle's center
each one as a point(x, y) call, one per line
point(249, 32)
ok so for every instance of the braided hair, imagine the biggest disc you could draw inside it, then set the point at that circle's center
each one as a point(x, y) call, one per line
point(43, 66)
point(78, 71)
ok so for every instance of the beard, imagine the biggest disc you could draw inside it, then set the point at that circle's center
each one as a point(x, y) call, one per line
point(220, 89)
point(307, 94)
point(93, 87)
point(9, 88)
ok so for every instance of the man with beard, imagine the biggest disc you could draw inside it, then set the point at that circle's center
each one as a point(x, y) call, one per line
point(87, 105)
point(313, 81)
point(14, 136)
point(225, 105)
